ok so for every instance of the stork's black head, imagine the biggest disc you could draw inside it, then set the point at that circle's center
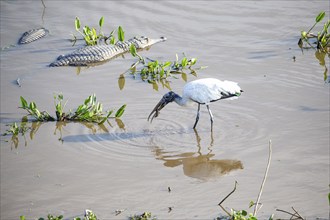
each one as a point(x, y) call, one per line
point(167, 98)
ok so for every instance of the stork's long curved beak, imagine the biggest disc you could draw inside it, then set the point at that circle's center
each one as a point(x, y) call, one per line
point(155, 112)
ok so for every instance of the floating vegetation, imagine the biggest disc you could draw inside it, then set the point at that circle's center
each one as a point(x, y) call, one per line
point(89, 111)
point(321, 40)
point(17, 130)
point(159, 72)
point(91, 37)
point(14, 129)
point(90, 215)
point(143, 216)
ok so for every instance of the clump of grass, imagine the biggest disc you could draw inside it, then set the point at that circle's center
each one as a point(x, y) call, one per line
point(92, 37)
point(89, 111)
point(322, 38)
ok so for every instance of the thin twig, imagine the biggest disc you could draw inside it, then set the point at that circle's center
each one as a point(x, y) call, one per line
point(292, 214)
point(264, 180)
point(42, 1)
point(229, 194)
point(228, 213)
point(297, 213)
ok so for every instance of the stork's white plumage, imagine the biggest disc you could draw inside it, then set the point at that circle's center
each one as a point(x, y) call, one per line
point(201, 91)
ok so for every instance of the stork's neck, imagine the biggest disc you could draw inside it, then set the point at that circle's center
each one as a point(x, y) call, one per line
point(181, 100)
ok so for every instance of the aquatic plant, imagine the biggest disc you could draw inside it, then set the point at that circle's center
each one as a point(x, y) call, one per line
point(15, 130)
point(91, 37)
point(33, 110)
point(159, 72)
point(322, 38)
point(89, 111)
point(89, 215)
point(143, 216)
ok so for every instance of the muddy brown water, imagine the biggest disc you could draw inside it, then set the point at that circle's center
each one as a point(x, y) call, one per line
point(130, 165)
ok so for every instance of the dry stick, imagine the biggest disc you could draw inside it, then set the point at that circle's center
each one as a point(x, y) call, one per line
point(297, 213)
point(292, 214)
point(229, 194)
point(226, 198)
point(42, 1)
point(264, 180)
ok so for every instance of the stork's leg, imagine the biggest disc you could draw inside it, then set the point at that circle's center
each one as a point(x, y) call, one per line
point(197, 117)
point(211, 116)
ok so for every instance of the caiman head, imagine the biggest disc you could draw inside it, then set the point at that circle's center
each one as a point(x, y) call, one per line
point(144, 42)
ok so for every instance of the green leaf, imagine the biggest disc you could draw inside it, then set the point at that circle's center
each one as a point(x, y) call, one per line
point(22, 217)
point(106, 117)
point(120, 111)
point(77, 23)
point(33, 106)
point(121, 34)
point(24, 103)
point(184, 62)
point(86, 30)
point(101, 21)
point(167, 64)
point(132, 49)
point(112, 40)
point(88, 100)
point(244, 213)
point(320, 16)
point(94, 34)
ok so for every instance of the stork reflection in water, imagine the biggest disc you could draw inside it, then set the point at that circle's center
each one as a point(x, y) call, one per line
point(196, 164)
point(202, 92)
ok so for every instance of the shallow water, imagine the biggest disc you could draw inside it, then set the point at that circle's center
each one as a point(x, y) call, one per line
point(67, 168)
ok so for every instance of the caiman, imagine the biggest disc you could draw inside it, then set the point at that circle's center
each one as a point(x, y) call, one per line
point(33, 35)
point(91, 55)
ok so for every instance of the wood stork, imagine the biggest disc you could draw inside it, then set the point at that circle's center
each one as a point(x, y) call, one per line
point(202, 92)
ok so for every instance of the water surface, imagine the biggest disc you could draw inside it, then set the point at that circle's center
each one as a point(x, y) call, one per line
point(129, 164)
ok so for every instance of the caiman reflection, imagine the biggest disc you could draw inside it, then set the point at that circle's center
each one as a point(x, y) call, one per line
point(197, 165)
